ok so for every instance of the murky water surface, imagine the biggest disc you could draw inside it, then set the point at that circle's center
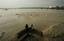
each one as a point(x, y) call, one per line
point(14, 20)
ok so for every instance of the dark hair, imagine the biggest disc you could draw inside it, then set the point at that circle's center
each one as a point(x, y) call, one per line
point(26, 26)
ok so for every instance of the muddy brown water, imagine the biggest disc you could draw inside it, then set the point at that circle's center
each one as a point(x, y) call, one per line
point(14, 20)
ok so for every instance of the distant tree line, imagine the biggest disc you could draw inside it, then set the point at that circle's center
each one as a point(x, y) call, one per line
point(57, 7)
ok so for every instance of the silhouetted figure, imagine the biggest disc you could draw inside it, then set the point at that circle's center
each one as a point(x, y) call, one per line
point(30, 30)
point(42, 34)
point(26, 27)
point(31, 25)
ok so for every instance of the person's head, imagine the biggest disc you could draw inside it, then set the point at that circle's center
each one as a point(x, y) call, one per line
point(26, 26)
point(31, 25)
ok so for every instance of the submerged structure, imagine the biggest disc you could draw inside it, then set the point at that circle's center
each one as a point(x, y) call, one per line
point(29, 34)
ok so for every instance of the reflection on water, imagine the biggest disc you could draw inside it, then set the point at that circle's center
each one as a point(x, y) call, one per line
point(12, 20)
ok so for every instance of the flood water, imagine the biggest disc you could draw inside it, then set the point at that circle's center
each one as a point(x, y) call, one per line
point(14, 20)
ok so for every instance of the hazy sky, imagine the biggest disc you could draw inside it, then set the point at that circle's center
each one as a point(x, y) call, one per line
point(29, 3)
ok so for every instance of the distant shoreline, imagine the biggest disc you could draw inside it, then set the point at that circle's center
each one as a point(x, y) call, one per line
point(57, 8)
